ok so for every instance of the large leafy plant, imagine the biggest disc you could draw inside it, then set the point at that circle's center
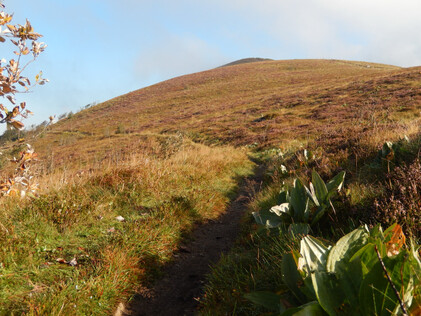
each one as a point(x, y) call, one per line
point(364, 273)
point(300, 206)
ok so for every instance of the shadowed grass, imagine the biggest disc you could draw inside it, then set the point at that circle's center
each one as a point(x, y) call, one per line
point(131, 156)
point(160, 199)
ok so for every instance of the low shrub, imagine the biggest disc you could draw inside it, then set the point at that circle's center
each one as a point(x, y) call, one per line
point(401, 201)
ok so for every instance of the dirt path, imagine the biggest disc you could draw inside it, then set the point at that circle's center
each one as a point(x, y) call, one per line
point(177, 293)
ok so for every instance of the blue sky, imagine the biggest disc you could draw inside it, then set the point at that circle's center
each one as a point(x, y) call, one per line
point(99, 49)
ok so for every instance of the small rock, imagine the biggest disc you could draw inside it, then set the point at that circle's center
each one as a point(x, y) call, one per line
point(120, 218)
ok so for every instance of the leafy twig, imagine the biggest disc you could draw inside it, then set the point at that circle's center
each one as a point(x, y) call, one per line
point(405, 312)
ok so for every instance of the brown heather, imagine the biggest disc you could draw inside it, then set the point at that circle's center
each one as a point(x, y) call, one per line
point(169, 156)
point(402, 200)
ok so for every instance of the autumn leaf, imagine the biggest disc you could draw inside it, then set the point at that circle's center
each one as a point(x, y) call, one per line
point(61, 260)
point(16, 124)
point(13, 192)
point(15, 111)
point(396, 241)
point(11, 99)
point(11, 28)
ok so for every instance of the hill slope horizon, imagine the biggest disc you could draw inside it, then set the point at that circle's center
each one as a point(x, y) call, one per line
point(265, 104)
point(123, 183)
point(246, 61)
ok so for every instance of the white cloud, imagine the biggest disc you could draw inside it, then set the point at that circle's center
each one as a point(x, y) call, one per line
point(173, 55)
point(377, 30)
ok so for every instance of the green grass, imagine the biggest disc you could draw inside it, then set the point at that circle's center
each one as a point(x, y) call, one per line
point(255, 264)
point(143, 156)
point(159, 198)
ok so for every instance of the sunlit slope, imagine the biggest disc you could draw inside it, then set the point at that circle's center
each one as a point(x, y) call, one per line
point(264, 103)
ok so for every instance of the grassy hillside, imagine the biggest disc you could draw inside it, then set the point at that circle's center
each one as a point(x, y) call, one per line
point(266, 104)
point(170, 155)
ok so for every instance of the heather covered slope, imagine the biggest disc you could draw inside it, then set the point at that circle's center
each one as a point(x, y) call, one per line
point(266, 104)
point(171, 156)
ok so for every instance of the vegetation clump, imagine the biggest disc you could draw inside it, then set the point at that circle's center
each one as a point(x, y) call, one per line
point(401, 201)
point(302, 207)
point(367, 272)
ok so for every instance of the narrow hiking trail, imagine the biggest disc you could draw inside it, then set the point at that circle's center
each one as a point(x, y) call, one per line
point(180, 288)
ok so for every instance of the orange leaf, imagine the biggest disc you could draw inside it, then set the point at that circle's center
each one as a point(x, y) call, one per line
point(15, 111)
point(17, 124)
point(396, 241)
point(13, 192)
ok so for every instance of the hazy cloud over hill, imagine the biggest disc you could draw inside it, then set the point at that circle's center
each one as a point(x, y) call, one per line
point(172, 55)
point(99, 49)
point(384, 31)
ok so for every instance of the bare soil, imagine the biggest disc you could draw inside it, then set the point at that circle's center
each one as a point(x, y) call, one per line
point(179, 291)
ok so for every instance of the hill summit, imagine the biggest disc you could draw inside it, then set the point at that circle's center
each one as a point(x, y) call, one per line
point(246, 61)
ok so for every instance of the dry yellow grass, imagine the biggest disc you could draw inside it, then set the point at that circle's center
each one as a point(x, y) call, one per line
point(161, 191)
point(168, 155)
point(269, 104)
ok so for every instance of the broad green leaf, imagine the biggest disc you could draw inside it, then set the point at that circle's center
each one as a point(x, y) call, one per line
point(283, 197)
point(299, 201)
point(314, 254)
point(377, 231)
point(319, 187)
point(267, 218)
point(269, 300)
point(292, 277)
point(299, 229)
point(349, 274)
point(319, 214)
point(350, 283)
point(312, 194)
point(367, 256)
point(345, 248)
point(309, 309)
point(335, 184)
point(376, 294)
point(308, 290)
point(328, 291)
point(282, 209)
point(307, 211)
point(388, 231)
